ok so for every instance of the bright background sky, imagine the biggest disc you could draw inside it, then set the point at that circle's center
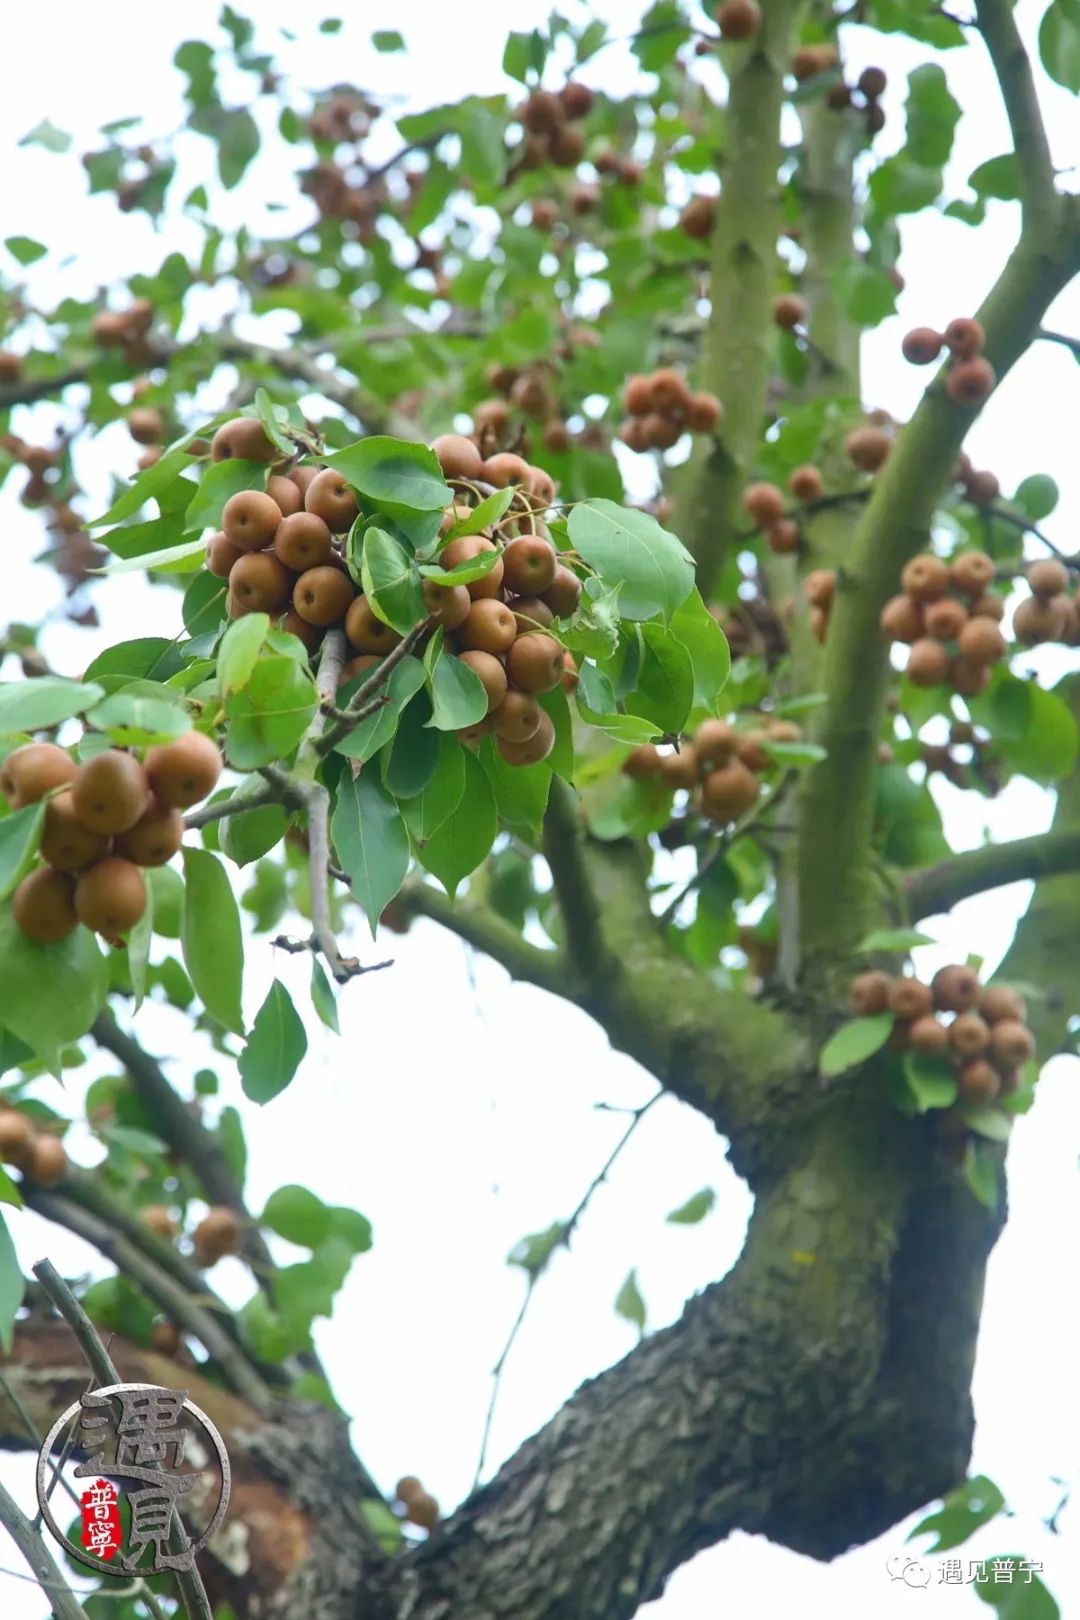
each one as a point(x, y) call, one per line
point(460, 1109)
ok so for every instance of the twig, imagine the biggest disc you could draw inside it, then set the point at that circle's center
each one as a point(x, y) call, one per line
point(236, 806)
point(30, 1542)
point(351, 967)
point(329, 738)
point(737, 830)
point(1071, 343)
point(1017, 521)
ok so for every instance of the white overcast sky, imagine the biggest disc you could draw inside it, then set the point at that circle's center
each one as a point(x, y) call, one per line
point(458, 1110)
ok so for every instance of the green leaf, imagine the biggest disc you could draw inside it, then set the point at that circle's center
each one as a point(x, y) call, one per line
point(138, 951)
point(1035, 729)
point(664, 690)
point(630, 548)
point(894, 939)
point(426, 811)
point(364, 740)
point(988, 1122)
point(1019, 1594)
point(794, 755)
point(854, 1042)
point(295, 1214)
point(387, 39)
point(865, 293)
point(168, 887)
point(172, 558)
point(38, 704)
point(239, 651)
point(997, 177)
point(9, 1192)
point(149, 485)
point(557, 709)
point(694, 626)
point(12, 1288)
point(267, 414)
point(490, 510)
point(932, 116)
point(148, 658)
point(275, 1050)
point(322, 997)
point(1059, 43)
point(483, 144)
point(521, 791)
point(930, 1080)
point(663, 30)
point(411, 759)
point(237, 143)
point(463, 573)
point(250, 834)
point(899, 186)
point(372, 842)
point(30, 1006)
point(695, 1209)
point(458, 696)
point(1036, 496)
point(268, 718)
point(533, 1253)
point(48, 136)
point(25, 249)
point(140, 714)
point(982, 1172)
point(217, 486)
point(394, 474)
point(212, 942)
point(962, 1512)
point(629, 1303)
point(461, 843)
point(20, 835)
point(391, 582)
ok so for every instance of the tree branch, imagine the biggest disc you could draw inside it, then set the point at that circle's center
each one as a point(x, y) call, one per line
point(329, 736)
point(63, 1603)
point(939, 887)
point(565, 837)
point(1035, 168)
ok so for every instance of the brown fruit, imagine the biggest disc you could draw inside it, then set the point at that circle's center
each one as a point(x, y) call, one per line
point(542, 113)
point(259, 583)
point(577, 99)
point(1036, 620)
point(303, 478)
point(423, 1510)
point(729, 792)
point(1011, 1043)
point(811, 59)
point(218, 1233)
point(925, 578)
point(366, 631)
point(964, 337)
point(11, 367)
point(818, 620)
point(571, 673)
point(764, 502)
point(492, 415)
point(221, 553)
point(945, 619)
point(704, 413)
point(971, 573)
point(564, 593)
point(909, 999)
point(517, 717)
point(739, 19)
point(407, 1488)
point(971, 382)
point(156, 1219)
point(505, 469)
point(988, 607)
point(48, 1161)
point(458, 457)
point(490, 627)
point(969, 1035)
point(293, 625)
point(243, 439)
point(681, 769)
point(922, 345)
point(982, 642)
point(928, 663)
point(302, 541)
point(1000, 1001)
point(529, 566)
point(111, 896)
point(782, 538)
point(926, 1035)
point(534, 662)
point(806, 483)
point(15, 1137)
point(43, 906)
point(955, 988)
point(642, 763)
point(544, 214)
point(185, 771)
point(165, 1338)
point(534, 748)
point(285, 493)
point(491, 673)
point(556, 437)
point(977, 1083)
point(982, 488)
point(669, 392)
point(448, 605)
point(637, 396)
point(250, 520)
point(329, 497)
point(872, 82)
point(868, 447)
point(146, 425)
point(819, 586)
point(789, 311)
point(323, 595)
point(110, 792)
point(531, 613)
point(155, 837)
point(636, 433)
point(1048, 578)
point(714, 743)
point(33, 770)
point(869, 993)
point(698, 217)
point(66, 843)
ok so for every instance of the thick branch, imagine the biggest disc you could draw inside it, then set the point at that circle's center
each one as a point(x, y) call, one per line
point(939, 887)
point(587, 950)
point(1035, 168)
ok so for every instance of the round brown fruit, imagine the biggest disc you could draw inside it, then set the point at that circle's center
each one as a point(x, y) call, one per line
point(322, 595)
point(782, 537)
point(739, 19)
point(714, 743)
point(260, 583)
point(243, 439)
point(218, 1233)
point(868, 447)
point(925, 578)
point(185, 771)
point(505, 469)
point(977, 1083)
point(969, 1035)
point(968, 678)
point(490, 627)
point(728, 792)
point(423, 1510)
point(637, 396)
point(819, 587)
point(329, 497)
point(111, 896)
point(1048, 578)
point(15, 1137)
point(165, 1338)
point(490, 672)
point(448, 605)
point(642, 763)
point(577, 99)
point(43, 906)
point(806, 483)
point(909, 999)
point(156, 1219)
point(964, 337)
point(155, 838)
point(458, 456)
point(680, 769)
point(1011, 1043)
point(870, 993)
point(303, 478)
point(302, 541)
point(366, 631)
point(945, 619)
point(926, 1035)
point(534, 662)
point(955, 988)
point(48, 1161)
point(789, 311)
point(529, 566)
point(704, 413)
point(928, 663)
point(33, 770)
point(531, 613)
point(764, 502)
point(971, 573)
point(1001, 1001)
point(971, 382)
point(250, 520)
point(534, 748)
point(110, 792)
point(285, 493)
point(1036, 620)
point(988, 607)
point(66, 843)
point(517, 717)
point(221, 553)
point(922, 345)
point(982, 642)
point(669, 392)
point(564, 593)
point(293, 625)
point(982, 488)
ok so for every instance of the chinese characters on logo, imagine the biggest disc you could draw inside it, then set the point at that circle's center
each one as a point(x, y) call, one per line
point(914, 1572)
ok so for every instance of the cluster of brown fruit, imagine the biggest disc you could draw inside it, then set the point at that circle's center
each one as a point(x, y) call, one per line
point(551, 122)
point(970, 379)
point(218, 1234)
point(104, 819)
point(865, 95)
point(1047, 614)
point(147, 426)
point(950, 618)
point(529, 389)
point(336, 197)
point(417, 1506)
point(38, 1154)
point(766, 505)
point(344, 116)
point(986, 1037)
point(719, 765)
point(660, 408)
point(126, 329)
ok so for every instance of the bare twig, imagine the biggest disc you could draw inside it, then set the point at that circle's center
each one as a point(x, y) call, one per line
point(351, 967)
point(329, 737)
point(1070, 343)
point(64, 1604)
point(237, 805)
